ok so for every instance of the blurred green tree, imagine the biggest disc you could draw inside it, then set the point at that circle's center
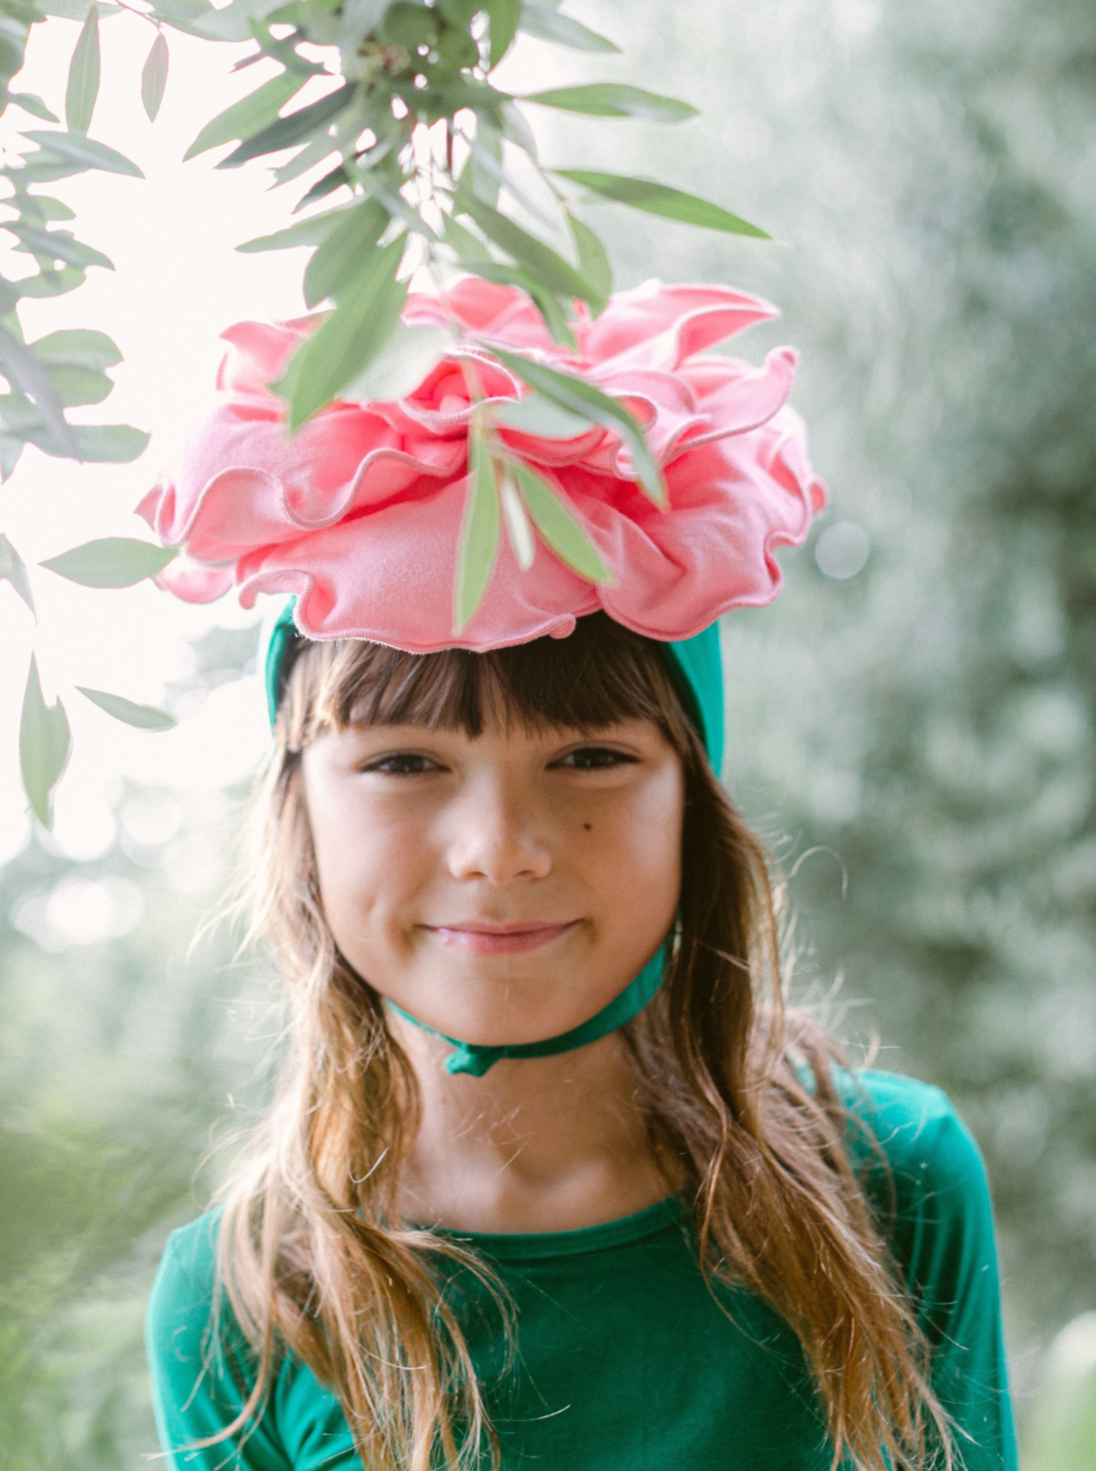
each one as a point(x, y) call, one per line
point(1061, 1422)
point(125, 1064)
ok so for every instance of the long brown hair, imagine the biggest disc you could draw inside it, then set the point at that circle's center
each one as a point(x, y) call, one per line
point(313, 1255)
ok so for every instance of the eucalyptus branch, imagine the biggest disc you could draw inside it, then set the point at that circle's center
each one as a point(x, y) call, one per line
point(65, 369)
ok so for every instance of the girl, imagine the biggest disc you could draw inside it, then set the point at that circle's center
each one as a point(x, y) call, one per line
point(551, 1178)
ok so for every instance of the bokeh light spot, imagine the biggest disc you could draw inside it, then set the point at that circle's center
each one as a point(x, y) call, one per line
point(842, 550)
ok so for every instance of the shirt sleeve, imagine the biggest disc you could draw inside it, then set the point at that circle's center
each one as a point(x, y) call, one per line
point(202, 1369)
point(933, 1198)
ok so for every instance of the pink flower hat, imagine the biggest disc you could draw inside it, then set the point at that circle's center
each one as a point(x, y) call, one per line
point(359, 513)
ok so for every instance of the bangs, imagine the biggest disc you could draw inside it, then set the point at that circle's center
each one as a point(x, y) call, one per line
point(598, 676)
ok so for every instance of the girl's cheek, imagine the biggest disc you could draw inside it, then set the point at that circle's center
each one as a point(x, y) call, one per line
point(380, 874)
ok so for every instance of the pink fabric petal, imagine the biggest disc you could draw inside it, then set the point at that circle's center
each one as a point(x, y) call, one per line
point(258, 353)
point(357, 580)
point(746, 398)
point(543, 451)
point(663, 404)
point(502, 312)
point(660, 326)
point(194, 582)
point(733, 503)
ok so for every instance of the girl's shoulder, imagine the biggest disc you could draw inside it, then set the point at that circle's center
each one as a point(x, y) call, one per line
point(922, 1172)
point(909, 1126)
point(186, 1281)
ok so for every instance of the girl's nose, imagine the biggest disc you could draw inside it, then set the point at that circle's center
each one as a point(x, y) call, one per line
point(497, 836)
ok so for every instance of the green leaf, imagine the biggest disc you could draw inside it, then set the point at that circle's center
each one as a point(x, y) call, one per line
point(552, 309)
point(17, 413)
point(76, 348)
point(44, 167)
point(336, 262)
point(257, 110)
point(518, 531)
point(349, 339)
point(359, 18)
point(534, 414)
point(175, 10)
point(556, 313)
point(485, 161)
point(401, 365)
point(660, 199)
point(10, 450)
point(614, 99)
point(144, 717)
point(316, 152)
point(83, 77)
point(34, 105)
point(479, 533)
point(106, 444)
point(54, 245)
point(14, 570)
point(484, 169)
point(231, 23)
point(24, 372)
point(313, 231)
point(53, 283)
point(75, 148)
point(515, 126)
point(549, 25)
point(468, 248)
point(399, 208)
point(457, 48)
point(40, 208)
point(409, 25)
point(297, 127)
point(323, 187)
point(584, 399)
point(503, 17)
point(593, 262)
point(74, 9)
point(113, 561)
point(43, 745)
point(540, 260)
point(76, 386)
point(154, 76)
point(558, 524)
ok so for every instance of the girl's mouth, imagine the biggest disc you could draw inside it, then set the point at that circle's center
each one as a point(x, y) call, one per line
point(502, 939)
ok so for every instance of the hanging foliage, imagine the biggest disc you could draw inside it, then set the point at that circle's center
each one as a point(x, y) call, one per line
point(424, 162)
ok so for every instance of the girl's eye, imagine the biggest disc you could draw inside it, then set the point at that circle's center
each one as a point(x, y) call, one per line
point(402, 763)
point(595, 758)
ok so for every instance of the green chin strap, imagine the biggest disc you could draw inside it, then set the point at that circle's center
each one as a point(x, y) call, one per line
point(697, 670)
point(469, 1057)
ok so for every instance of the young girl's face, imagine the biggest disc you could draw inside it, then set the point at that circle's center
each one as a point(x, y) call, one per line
point(501, 889)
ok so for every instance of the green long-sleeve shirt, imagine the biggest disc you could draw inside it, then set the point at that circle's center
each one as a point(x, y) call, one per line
point(625, 1361)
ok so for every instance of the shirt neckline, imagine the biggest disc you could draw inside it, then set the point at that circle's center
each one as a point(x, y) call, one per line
point(507, 1246)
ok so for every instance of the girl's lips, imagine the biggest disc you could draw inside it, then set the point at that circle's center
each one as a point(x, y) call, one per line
point(500, 939)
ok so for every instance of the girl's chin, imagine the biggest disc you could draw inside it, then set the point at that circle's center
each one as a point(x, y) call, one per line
point(499, 1014)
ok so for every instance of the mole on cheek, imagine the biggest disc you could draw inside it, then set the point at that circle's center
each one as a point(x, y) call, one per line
point(589, 826)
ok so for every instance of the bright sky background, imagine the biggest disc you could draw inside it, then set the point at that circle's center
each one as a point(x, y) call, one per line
point(179, 282)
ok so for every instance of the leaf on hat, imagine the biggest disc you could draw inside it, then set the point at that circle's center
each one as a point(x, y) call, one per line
point(479, 533)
